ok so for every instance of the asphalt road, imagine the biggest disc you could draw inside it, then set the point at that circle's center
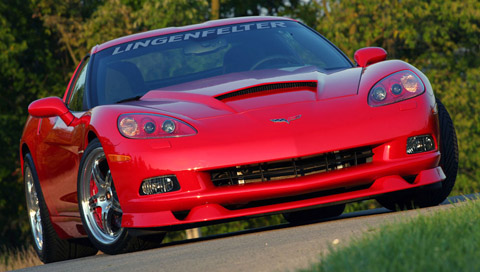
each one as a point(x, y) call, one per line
point(278, 248)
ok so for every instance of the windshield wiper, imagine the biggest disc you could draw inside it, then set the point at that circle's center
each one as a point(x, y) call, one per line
point(135, 98)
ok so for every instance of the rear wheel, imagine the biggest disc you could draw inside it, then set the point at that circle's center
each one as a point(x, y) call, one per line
point(435, 194)
point(100, 209)
point(47, 244)
point(314, 214)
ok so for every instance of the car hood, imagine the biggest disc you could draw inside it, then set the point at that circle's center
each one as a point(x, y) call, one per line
point(252, 90)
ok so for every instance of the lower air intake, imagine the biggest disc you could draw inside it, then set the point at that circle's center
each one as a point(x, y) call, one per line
point(292, 168)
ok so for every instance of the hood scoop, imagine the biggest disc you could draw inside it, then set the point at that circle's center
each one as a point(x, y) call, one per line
point(270, 88)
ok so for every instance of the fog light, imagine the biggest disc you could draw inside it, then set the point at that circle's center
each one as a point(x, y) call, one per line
point(159, 185)
point(420, 144)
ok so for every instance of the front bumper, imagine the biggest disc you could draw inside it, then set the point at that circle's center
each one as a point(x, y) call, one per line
point(385, 129)
point(206, 207)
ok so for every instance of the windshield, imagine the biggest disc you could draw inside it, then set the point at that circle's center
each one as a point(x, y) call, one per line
point(131, 69)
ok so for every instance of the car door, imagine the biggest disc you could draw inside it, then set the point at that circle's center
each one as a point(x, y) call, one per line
point(59, 151)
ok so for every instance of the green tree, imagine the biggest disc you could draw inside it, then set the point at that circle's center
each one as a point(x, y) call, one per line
point(29, 69)
point(64, 20)
point(237, 8)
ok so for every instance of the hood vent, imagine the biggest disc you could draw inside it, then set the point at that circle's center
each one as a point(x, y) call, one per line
point(270, 87)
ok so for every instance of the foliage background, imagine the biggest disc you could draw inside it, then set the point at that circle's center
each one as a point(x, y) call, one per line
point(41, 42)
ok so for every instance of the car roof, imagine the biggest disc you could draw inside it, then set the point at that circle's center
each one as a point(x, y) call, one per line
point(171, 30)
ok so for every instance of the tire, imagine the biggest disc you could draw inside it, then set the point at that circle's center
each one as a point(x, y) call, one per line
point(100, 209)
point(314, 214)
point(48, 245)
point(435, 194)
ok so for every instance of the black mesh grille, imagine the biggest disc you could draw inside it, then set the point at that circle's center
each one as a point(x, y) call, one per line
point(291, 168)
point(268, 87)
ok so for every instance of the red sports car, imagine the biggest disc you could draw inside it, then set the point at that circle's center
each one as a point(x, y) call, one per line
point(184, 127)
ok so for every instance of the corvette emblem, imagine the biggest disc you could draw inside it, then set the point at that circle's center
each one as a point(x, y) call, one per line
point(286, 120)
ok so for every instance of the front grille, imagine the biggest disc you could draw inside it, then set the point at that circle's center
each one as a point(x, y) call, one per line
point(268, 87)
point(292, 168)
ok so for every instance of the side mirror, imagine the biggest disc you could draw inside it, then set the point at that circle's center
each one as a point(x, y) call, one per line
point(50, 107)
point(369, 55)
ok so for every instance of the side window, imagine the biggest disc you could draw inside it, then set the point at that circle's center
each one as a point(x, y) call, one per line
point(78, 91)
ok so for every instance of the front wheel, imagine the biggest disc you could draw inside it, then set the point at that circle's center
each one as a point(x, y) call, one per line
point(431, 195)
point(48, 245)
point(99, 206)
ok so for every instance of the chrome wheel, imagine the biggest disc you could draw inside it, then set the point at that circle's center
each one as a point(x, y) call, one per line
point(48, 245)
point(98, 199)
point(33, 208)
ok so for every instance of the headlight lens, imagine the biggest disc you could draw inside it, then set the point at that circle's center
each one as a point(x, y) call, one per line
point(145, 126)
point(395, 88)
point(379, 94)
point(168, 126)
point(129, 127)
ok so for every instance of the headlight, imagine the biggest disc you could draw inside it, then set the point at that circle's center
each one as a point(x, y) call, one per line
point(145, 126)
point(395, 88)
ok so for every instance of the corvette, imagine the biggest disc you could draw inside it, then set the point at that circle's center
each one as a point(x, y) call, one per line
point(230, 119)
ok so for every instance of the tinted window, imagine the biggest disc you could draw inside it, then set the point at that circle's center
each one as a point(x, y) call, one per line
point(78, 91)
point(132, 69)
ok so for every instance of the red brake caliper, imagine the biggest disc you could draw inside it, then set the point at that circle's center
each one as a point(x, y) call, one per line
point(98, 210)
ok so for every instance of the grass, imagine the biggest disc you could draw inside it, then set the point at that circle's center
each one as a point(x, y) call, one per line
point(448, 240)
point(17, 259)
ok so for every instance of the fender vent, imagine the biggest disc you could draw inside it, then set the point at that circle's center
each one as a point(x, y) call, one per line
point(269, 87)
